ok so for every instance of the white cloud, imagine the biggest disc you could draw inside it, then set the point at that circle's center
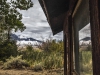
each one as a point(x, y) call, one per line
point(85, 32)
point(36, 23)
point(38, 27)
point(25, 17)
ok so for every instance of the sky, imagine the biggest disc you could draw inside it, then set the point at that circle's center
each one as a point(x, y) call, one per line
point(85, 32)
point(37, 26)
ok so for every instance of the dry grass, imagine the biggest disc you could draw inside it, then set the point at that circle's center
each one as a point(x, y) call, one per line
point(31, 72)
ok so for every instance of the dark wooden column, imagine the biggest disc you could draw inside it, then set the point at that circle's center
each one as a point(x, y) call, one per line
point(70, 38)
point(65, 33)
point(68, 46)
point(65, 55)
point(95, 34)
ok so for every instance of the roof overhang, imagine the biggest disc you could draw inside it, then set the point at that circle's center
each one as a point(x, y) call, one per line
point(55, 11)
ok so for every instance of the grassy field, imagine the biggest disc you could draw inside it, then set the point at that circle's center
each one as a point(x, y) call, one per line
point(31, 72)
point(46, 59)
point(86, 63)
point(85, 68)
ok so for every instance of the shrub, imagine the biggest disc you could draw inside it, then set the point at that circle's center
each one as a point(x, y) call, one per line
point(31, 54)
point(52, 46)
point(15, 62)
point(37, 66)
point(53, 61)
point(1, 63)
point(86, 61)
point(48, 56)
point(7, 49)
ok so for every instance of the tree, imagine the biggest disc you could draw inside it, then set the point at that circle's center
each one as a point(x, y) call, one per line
point(10, 19)
point(9, 9)
point(2, 32)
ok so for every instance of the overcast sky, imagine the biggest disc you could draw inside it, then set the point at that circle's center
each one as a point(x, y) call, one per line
point(37, 26)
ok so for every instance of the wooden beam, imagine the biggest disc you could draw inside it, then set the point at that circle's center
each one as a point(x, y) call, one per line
point(65, 46)
point(95, 34)
point(68, 46)
point(70, 52)
point(65, 30)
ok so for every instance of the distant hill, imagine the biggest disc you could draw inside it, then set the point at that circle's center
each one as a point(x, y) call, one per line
point(15, 37)
point(86, 39)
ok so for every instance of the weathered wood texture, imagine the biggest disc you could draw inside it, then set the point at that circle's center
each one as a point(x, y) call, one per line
point(70, 32)
point(68, 46)
point(95, 34)
point(65, 55)
point(65, 32)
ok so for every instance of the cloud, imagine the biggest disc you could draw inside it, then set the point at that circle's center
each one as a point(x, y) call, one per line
point(85, 32)
point(25, 17)
point(38, 27)
point(36, 23)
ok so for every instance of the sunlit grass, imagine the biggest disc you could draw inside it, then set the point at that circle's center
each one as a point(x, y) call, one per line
point(48, 55)
point(86, 62)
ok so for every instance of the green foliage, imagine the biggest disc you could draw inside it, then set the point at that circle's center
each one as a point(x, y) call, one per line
point(15, 62)
point(1, 63)
point(7, 48)
point(12, 17)
point(86, 62)
point(3, 35)
point(53, 61)
point(51, 58)
point(52, 46)
point(30, 53)
point(37, 66)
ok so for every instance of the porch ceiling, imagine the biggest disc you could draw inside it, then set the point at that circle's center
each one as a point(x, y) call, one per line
point(55, 12)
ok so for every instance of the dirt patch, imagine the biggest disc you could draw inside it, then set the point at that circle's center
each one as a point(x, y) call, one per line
point(31, 72)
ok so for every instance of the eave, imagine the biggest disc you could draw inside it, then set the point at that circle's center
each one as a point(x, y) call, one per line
point(55, 11)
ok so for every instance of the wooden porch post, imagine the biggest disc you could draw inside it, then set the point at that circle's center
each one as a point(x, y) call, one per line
point(68, 46)
point(65, 55)
point(70, 34)
point(65, 33)
point(95, 34)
